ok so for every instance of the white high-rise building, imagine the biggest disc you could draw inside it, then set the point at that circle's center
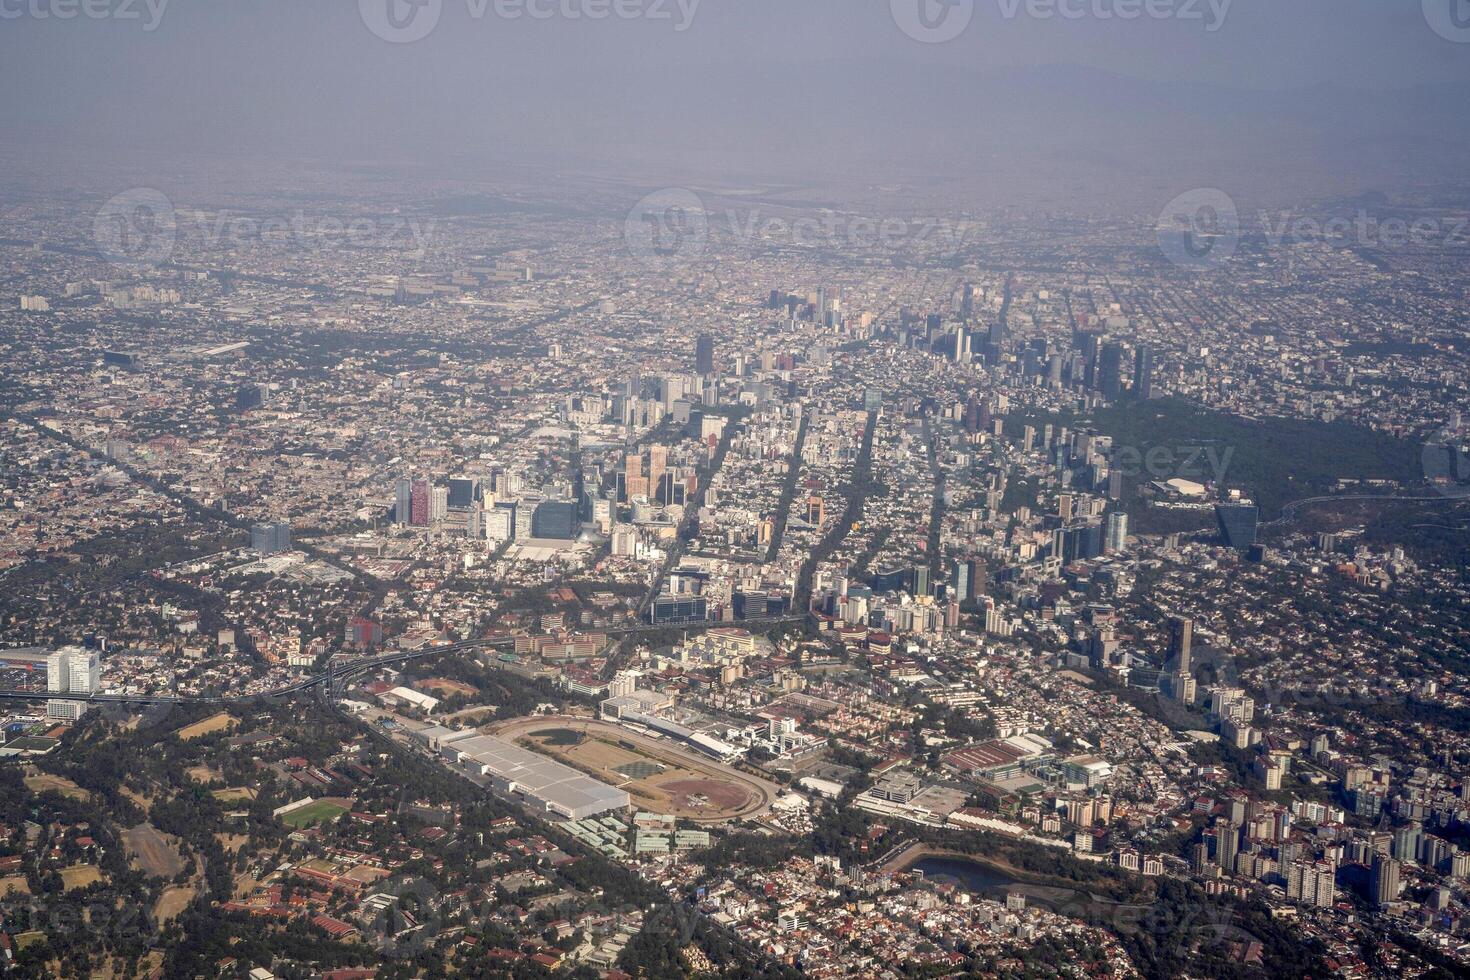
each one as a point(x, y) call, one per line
point(86, 672)
point(58, 671)
point(1117, 533)
point(71, 670)
point(74, 670)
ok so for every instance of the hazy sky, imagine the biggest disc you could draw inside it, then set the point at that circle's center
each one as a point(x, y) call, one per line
point(765, 81)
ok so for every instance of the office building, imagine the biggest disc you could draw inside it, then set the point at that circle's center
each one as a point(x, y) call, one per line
point(1181, 642)
point(403, 501)
point(674, 609)
point(1143, 373)
point(1117, 534)
point(500, 522)
point(1238, 524)
point(555, 519)
point(464, 492)
point(71, 670)
point(419, 504)
point(704, 354)
point(270, 539)
point(1110, 371)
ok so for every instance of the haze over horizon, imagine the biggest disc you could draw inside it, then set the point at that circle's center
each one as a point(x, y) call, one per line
point(1345, 96)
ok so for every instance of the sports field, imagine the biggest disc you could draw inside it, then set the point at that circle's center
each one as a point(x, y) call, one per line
point(657, 777)
point(322, 811)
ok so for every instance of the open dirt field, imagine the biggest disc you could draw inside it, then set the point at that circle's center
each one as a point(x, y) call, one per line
point(175, 899)
point(80, 876)
point(202, 774)
point(658, 775)
point(40, 782)
point(213, 723)
point(152, 851)
point(15, 884)
point(235, 794)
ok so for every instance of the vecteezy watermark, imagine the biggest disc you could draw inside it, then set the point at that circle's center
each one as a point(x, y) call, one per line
point(1211, 13)
point(149, 12)
point(1450, 19)
point(1214, 667)
point(1199, 229)
point(406, 926)
point(225, 229)
point(1208, 463)
point(932, 21)
point(136, 228)
point(675, 225)
point(1182, 930)
point(1365, 229)
point(937, 21)
point(141, 228)
point(405, 21)
point(667, 225)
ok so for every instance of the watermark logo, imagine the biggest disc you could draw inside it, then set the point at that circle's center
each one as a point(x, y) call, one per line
point(1211, 13)
point(675, 225)
point(938, 21)
point(932, 21)
point(670, 225)
point(1221, 668)
point(150, 12)
point(1199, 230)
point(408, 924)
point(225, 229)
point(1450, 19)
point(406, 21)
point(1180, 931)
point(1208, 464)
point(400, 21)
point(136, 228)
point(1285, 228)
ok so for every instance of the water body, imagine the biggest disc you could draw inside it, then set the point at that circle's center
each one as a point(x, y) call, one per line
point(972, 876)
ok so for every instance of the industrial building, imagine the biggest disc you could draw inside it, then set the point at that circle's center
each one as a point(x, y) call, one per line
point(548, 784)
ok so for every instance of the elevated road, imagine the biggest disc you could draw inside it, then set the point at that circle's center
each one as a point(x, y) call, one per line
point(332, 680)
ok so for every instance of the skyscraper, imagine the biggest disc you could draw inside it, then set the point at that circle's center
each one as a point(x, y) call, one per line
point(419, 509)
point(74, 670)
point(403, 504)
point(1143, 373)
point(1385, 880)
point(1181, 641)
point(464, 492)
point(1110, 371)
point(1238, 523)
point(1117, 537)
point(704, 354)
point(1182, 685)
point(1227, 844)
point(960, 575)
point(555, 519)
point(270, 539)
